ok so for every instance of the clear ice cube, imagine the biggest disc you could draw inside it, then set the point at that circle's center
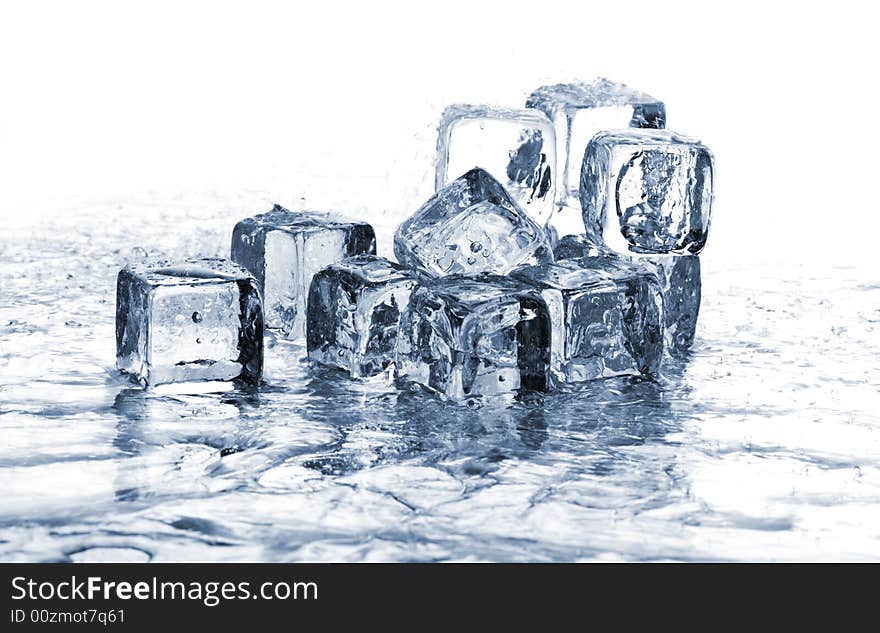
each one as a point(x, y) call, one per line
point(468, 337)
point(517, 147)
point(470, 226)
point(353, 313)
point(605, 317)
point(284, 249)
point(680, 285)
point(193, 320)
point(647, 191)
point(579, 111)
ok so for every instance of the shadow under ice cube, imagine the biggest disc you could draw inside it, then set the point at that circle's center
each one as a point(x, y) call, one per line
point(353, 314)
point(470, 226)
point(579, 111)
point(605, 317)
point(466, 337)
point(517, 147)
point(647, 191)
point(194, 320)
point(284, 249)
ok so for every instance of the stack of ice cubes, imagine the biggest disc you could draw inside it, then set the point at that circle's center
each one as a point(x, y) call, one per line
point(498, 289)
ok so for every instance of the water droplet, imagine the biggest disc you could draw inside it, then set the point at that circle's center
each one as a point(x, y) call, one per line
point(198, 340)
point(197, 317)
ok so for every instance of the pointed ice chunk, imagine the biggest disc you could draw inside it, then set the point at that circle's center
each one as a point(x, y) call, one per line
point(470, 226)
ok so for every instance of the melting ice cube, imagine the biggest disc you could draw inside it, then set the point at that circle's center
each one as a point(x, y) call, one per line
point(353, 313)
point(475, 336)
point(680, 284)
point(605, 317)
point(579, 111)
point(517, 147)
point(198, 319)
point(470, 226)
point(284, 249)
point(647, 191)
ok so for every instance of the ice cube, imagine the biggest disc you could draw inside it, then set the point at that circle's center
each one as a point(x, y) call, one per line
point(193, 320)
point(605, 317)
point(517, 147)
point(470, 226)
point(467, 337)
point(284, 249)
point(580, 110)
point(647, 191)
point(681, 286)
point(353, 313)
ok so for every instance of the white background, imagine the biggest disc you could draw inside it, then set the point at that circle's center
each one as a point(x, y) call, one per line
point(334, 104)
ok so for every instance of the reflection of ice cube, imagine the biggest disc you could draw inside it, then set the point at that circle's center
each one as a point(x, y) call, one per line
point(199, 319)
point(474, 336)
point(605, 317)
point(579, 111)
point(284, 249)
point(517, 147)
point(353, 313)
point(680, 285)
point(470, 226)
point(647, 191)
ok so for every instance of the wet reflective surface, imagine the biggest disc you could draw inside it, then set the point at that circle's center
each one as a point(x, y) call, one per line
point(763, 445)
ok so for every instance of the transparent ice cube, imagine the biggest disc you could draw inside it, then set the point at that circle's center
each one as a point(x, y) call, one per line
point(284, 249)
point(466, 337)
point(647, 191)
point(517, 147)
point(579, 111)
point(193, 320)
point(605, 317)
point(353, 313)
point(470, 226)
point(680, 285)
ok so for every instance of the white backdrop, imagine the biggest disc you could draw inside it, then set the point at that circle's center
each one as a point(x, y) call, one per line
point(335, 104)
